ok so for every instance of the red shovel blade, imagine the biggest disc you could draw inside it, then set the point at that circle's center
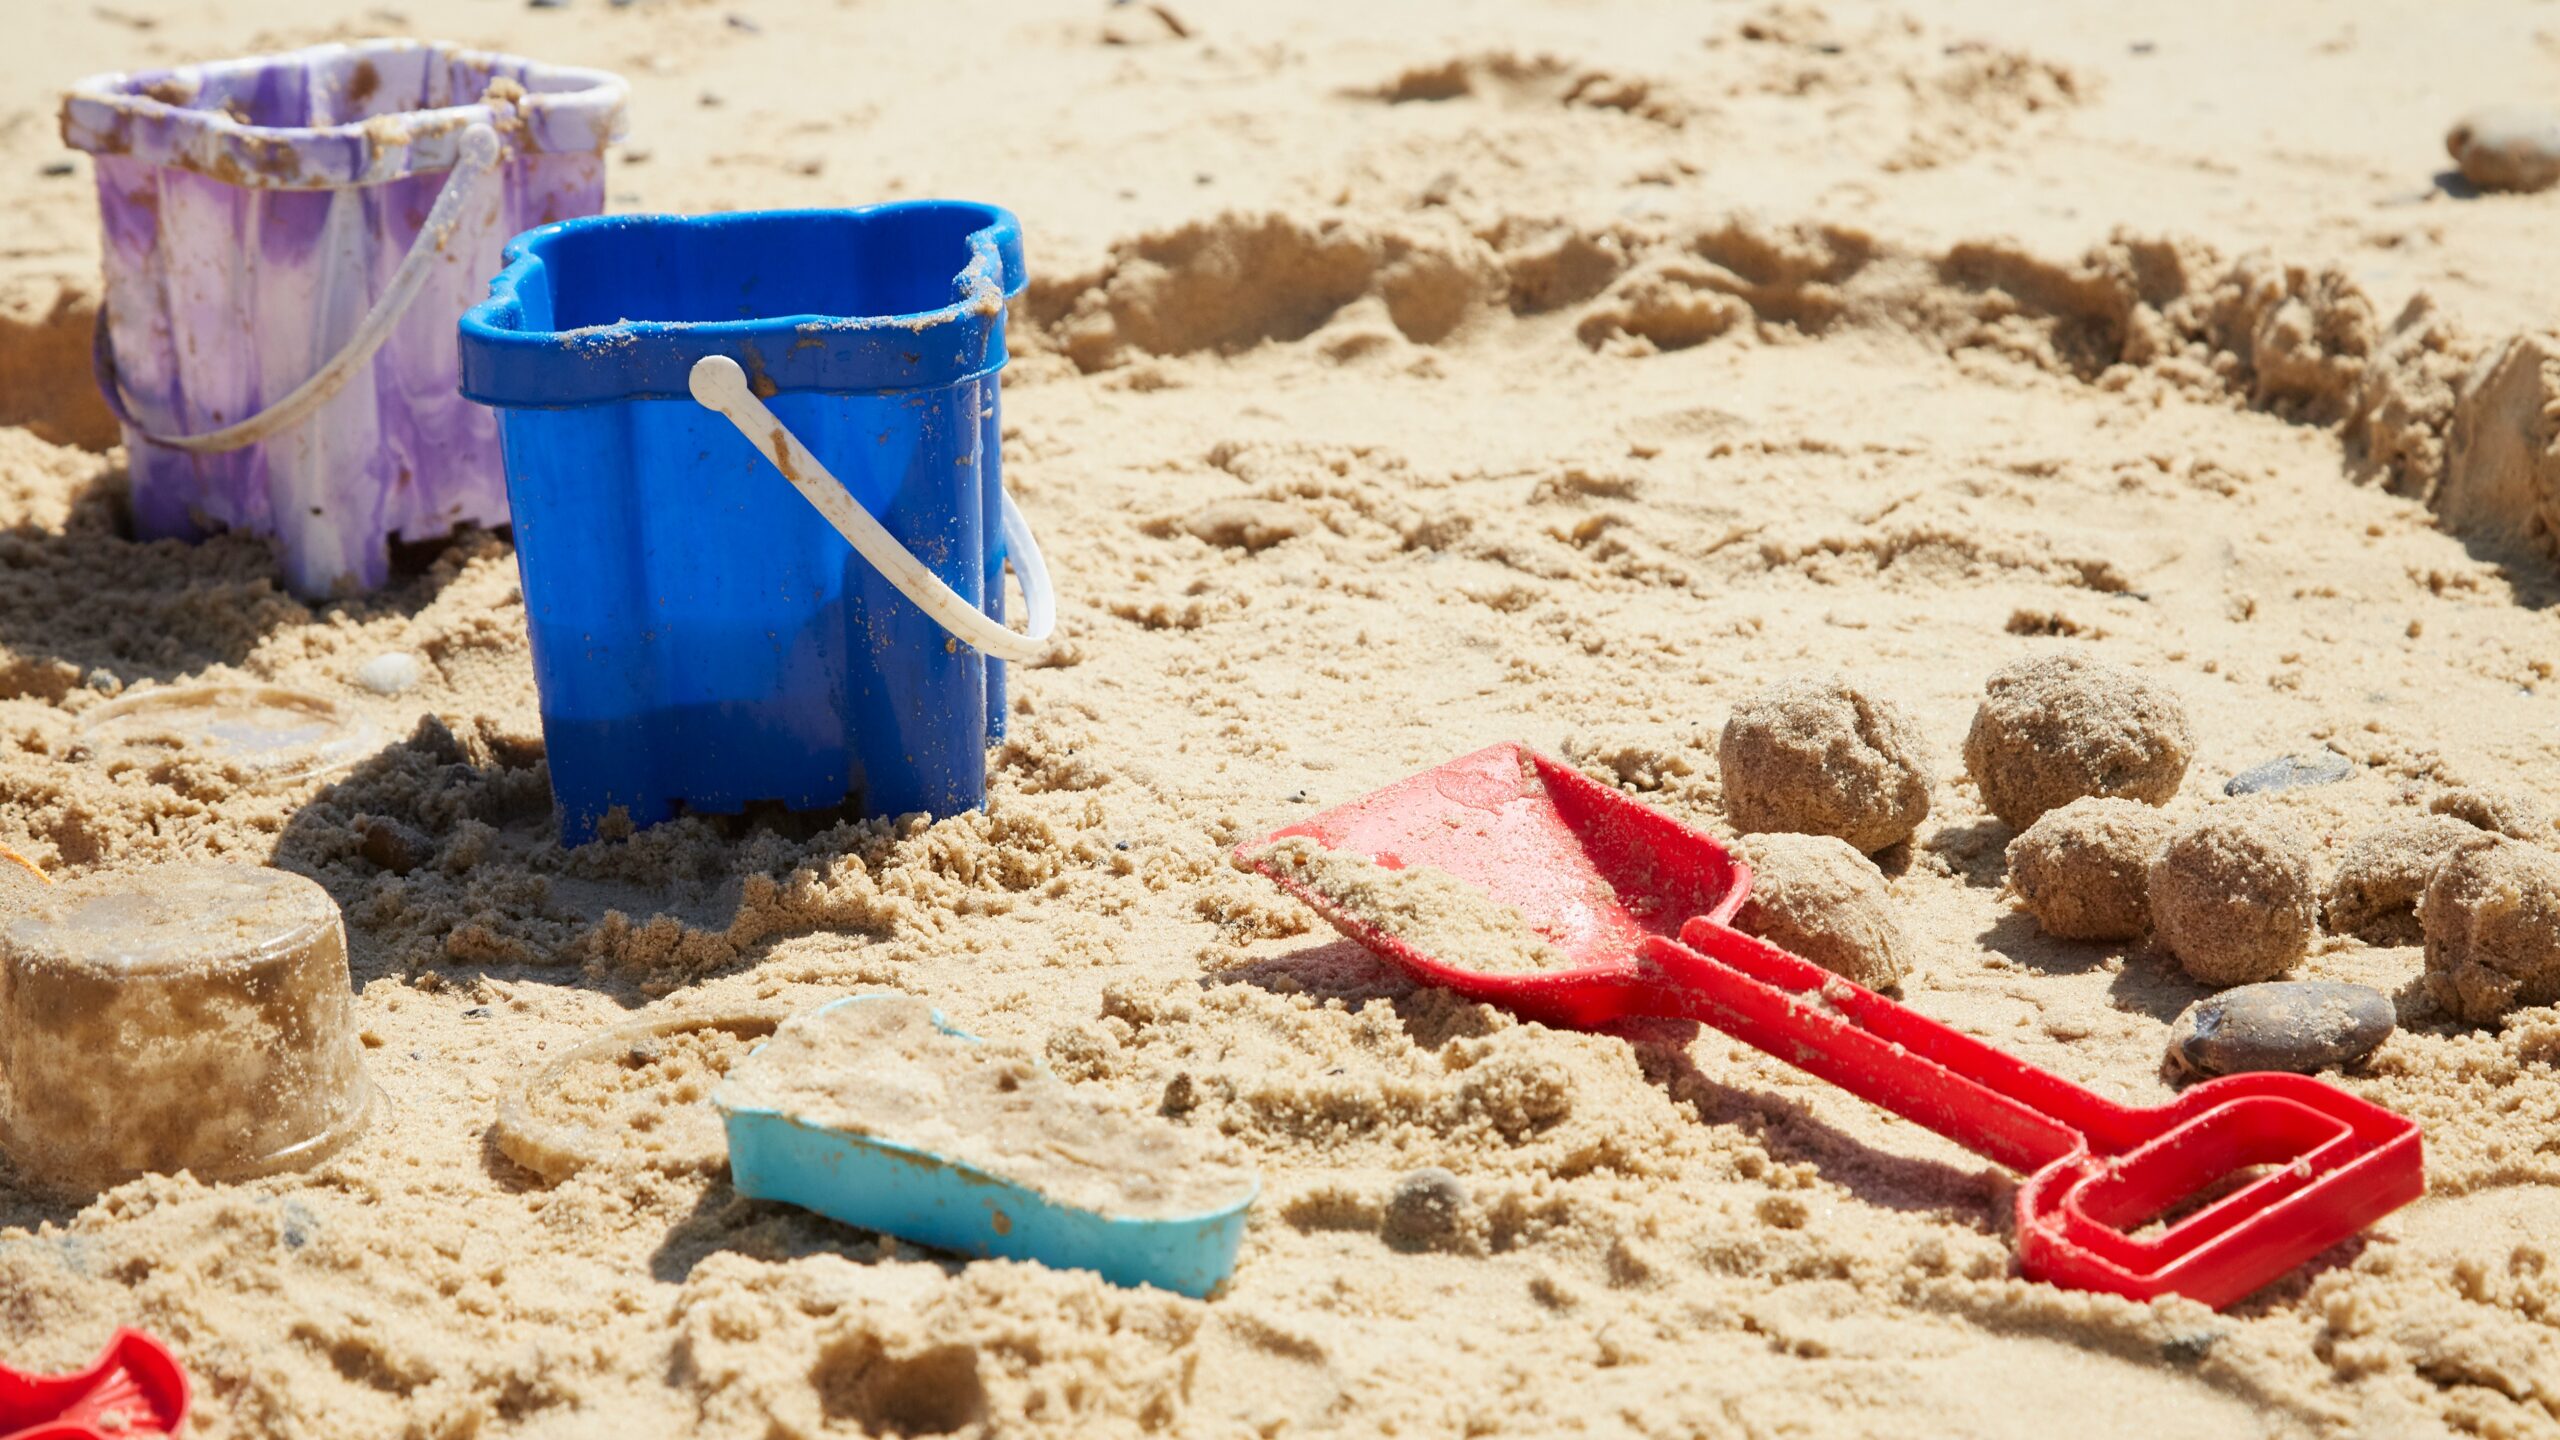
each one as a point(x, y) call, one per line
point(1588, 868)
point(1610, 881)
point(135, 1391)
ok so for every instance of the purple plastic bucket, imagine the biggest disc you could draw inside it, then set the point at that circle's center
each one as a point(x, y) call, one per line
point(284, 364)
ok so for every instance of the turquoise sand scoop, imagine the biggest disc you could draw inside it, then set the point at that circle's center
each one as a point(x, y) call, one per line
point(803, 1114)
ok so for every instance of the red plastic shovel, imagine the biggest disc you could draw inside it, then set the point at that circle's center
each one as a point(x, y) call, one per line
point(135, 1391)
point(2312, 1164)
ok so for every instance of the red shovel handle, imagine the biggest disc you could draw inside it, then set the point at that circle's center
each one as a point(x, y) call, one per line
point(1991, 1103)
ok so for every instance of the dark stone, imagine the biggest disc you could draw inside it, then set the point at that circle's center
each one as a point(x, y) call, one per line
point(2297, 1025)
point(1425, 1210)
point(476, 1012)
point(56, 169)
point(2291, 772)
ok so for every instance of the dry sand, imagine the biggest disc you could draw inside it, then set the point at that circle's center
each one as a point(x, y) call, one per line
point(1397, 379)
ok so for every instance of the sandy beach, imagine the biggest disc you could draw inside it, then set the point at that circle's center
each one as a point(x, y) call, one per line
point(1393, 381)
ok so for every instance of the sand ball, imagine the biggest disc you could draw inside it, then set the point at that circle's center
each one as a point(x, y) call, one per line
point(2507, 147)
point(2511, 813)
point(2374, 894)
point(2056, 727)
point(2492, 917)
point(1820, 756)
point(1822, 900)
point(2083, 870)
point(2232, 896)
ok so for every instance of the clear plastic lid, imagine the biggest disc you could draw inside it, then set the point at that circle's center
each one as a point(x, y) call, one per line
point(271, 735)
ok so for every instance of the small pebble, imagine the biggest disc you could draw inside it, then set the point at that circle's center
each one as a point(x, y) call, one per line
point(741, 22)
point(56, 169)
point(476, 1012)
point(2298, 1025)
point(104, 681)
point(2507, 147)
point(1425, 1209)
point(389, 674)
point(2290, 772)
point(546, 4)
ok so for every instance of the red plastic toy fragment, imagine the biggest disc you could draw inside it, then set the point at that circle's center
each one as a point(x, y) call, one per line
point(135, 1391)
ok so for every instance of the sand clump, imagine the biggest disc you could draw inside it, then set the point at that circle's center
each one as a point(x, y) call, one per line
point(2233, 898)
point(2083, 870)
point(1823, 756)
point(2054, 728)
point(1438, 914)
point(1815, 896)
point(2381, 875)
point(2507, 147)
point(2492, 914)
point(880, 1067)
point(2511, 813)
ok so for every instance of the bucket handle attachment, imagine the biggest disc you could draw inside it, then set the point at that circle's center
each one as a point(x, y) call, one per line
point(720, 385)
point(479, 156)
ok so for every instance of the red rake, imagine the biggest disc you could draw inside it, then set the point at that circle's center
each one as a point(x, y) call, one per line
point(1642, 904)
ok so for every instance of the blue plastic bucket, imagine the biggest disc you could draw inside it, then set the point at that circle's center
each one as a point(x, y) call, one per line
point(701, 636)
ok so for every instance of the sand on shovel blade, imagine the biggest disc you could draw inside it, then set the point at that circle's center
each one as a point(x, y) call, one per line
point(1429, 909)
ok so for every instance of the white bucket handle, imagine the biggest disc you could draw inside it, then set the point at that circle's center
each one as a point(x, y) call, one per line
point(720, 385)
point(479, 156)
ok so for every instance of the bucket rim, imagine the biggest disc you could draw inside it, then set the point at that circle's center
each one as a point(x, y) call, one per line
point(116, 114)
point(509, 366)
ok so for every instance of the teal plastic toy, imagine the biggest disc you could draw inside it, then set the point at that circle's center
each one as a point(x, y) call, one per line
point(917, 1195)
